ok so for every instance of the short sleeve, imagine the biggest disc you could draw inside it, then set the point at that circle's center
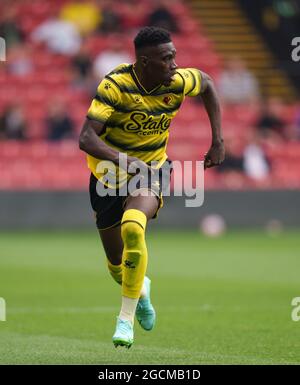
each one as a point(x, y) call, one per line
point(192, 81)
point(105, 101)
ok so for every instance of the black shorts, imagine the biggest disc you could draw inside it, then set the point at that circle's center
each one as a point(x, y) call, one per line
point(109, 209)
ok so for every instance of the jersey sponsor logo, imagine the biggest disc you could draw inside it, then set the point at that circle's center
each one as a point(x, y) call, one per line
point(144, 124)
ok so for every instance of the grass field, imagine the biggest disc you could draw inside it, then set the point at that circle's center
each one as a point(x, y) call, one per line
point(219, 301)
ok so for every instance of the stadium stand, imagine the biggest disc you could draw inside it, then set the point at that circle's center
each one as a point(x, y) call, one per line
point(38, 164)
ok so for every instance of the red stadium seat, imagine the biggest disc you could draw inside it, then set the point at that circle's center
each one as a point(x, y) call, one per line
point(36, 164)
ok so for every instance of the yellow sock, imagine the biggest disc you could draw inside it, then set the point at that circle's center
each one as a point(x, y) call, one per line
point(135, 255)
point(115, 271)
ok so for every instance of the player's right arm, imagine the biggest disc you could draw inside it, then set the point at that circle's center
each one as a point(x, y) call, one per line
point(100, 110)
point(90, 142)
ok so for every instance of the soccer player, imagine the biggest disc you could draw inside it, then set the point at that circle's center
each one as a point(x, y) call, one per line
point(131, 114)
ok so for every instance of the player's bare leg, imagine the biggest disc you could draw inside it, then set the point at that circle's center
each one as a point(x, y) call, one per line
point(138, 210)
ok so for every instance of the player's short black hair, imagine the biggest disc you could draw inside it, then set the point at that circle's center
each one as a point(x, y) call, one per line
point(151, 36)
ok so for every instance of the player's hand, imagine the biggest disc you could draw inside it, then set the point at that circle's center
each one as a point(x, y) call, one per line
point(137, 166)
point(215, 155)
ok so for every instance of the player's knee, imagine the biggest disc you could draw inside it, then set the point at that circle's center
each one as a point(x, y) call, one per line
point(132, 234)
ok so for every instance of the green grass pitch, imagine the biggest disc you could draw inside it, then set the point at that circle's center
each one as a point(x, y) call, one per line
point(218, 301)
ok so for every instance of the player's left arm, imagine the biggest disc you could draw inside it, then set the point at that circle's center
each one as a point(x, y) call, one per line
point(216, 153)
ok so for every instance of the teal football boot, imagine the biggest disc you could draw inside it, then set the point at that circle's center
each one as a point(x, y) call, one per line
point(145, 312)
point(124, 333)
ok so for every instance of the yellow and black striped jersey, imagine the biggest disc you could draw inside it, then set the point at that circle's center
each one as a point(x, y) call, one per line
point(136, 121)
